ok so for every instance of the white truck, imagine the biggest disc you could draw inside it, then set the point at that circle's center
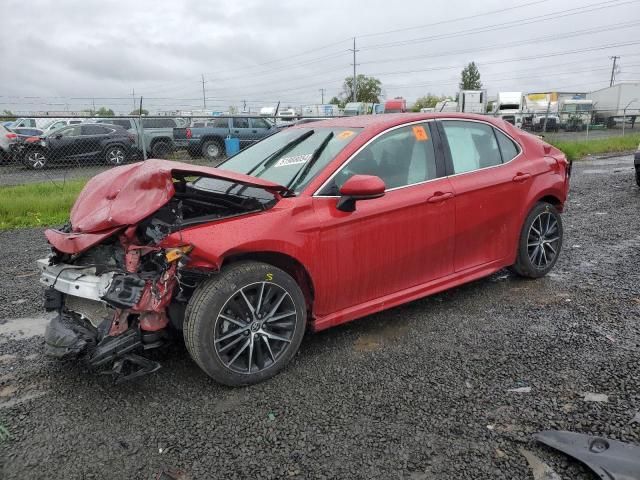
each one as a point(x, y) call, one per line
point(508, 106)
point(321, 110)
point(472, 101)
point(540, 112)
point(616, 104)
point(575, 113)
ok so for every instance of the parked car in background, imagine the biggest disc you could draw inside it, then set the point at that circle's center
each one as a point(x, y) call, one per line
point(7, 140)
point(56, 124)
point(158, 133)
point(315, 226)
point(89, 142)
point(208, 141)
point(362, 108)
point(446, 106)
point(22, 134)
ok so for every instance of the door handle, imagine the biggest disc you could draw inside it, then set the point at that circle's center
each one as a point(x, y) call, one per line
point(440, 197)
point(236, 131)
point(521, 177)
point(254, 131)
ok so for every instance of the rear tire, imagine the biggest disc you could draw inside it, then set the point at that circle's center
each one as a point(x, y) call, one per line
point(115, 155)
point(161, 150)
point(540, 242)
point(213, 150)
point(246, 324)
point(638, 176)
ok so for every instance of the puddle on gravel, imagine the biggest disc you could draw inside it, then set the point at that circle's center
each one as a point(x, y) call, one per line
point(374, 340)
point(21, 328)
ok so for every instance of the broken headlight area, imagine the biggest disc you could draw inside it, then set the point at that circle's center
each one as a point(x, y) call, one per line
point(115, 302)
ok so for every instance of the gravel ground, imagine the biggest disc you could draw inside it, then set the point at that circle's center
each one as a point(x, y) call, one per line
point(418, 392)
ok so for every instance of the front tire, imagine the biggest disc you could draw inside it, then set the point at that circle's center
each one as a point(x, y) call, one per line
point(638, 176)
point(540, 242)
point(246, 324)
point(115, 155)
point(35, 159)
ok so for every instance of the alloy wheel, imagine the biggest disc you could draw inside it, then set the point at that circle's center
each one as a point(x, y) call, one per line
point(255, 327)
point(543, 241)
point(36, 159)
point(115, 156)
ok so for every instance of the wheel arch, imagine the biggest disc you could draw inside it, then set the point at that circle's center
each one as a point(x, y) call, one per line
point(160, 139)
point(285, 262)
point(553, 200)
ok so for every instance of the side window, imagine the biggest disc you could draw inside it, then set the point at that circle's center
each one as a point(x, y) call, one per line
point(70, 131)
point(221, 123)
point(259, 123)
point(126, 124)
point(507, 147)
point(94, 130)
point(240, 123)
point(403, 156)
point(472, 145)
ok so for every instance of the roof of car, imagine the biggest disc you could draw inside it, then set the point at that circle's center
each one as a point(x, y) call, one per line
point(388, 120)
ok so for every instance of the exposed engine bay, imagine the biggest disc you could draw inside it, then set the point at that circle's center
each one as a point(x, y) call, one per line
point(127, 295)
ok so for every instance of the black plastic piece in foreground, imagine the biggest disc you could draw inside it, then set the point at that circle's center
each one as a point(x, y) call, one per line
point(124, 291)
point(66, 337)
point(609, 459)
point(52, 299)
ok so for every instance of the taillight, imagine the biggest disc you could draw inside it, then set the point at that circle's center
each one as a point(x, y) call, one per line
point(12, 136)
point(188, 133)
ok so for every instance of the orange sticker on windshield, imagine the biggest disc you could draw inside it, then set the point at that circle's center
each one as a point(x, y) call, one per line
point(346, 134)
point(420, 133)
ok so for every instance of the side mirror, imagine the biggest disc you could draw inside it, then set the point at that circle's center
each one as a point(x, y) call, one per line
point(359, 187)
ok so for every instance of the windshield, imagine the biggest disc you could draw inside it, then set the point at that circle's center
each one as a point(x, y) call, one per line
point(292, 157)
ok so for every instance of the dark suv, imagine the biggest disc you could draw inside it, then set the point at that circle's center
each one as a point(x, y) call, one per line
point(95, 143)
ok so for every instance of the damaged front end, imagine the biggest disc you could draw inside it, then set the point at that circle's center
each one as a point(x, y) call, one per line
point(119, 292)
point(112, 303)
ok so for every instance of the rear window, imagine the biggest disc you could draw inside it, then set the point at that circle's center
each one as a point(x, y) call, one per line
point(507, 147)
point(158, 123)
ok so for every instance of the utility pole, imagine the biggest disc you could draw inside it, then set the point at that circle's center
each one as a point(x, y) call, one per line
point(244, 105)
point(93, 112)
point(133, 96)
point(355, 85)
point(322, 93)
point(204, 98)
point(613, 70)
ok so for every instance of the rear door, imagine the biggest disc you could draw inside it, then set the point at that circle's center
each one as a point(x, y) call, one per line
point(489, 191)
point(94, 137)
point(240, 129)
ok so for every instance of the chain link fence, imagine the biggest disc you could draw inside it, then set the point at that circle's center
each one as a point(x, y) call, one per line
point(40, 149)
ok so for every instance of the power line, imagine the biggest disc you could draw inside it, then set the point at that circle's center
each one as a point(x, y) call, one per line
point(443, 22)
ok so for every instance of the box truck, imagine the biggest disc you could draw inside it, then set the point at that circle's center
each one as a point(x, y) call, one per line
point(616, 104)
point(472, 101)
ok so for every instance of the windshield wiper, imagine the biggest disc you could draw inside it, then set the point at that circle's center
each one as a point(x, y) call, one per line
point(307, 166)
point(281, 151)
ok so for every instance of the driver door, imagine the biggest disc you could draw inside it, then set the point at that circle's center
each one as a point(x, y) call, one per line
point(64, 143)
point(392, 243)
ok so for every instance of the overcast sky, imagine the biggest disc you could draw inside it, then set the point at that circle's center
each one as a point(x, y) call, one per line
point(54, 53)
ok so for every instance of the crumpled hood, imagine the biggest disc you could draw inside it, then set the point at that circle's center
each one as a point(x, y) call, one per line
point(125, 195)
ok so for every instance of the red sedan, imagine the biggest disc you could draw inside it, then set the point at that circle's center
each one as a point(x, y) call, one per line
point(312, 227)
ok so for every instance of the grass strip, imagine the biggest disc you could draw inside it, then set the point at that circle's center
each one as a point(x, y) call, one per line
point(577, 149)
point(37, 204)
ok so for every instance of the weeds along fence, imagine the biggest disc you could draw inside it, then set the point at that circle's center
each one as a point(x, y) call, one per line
point(57, 149)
